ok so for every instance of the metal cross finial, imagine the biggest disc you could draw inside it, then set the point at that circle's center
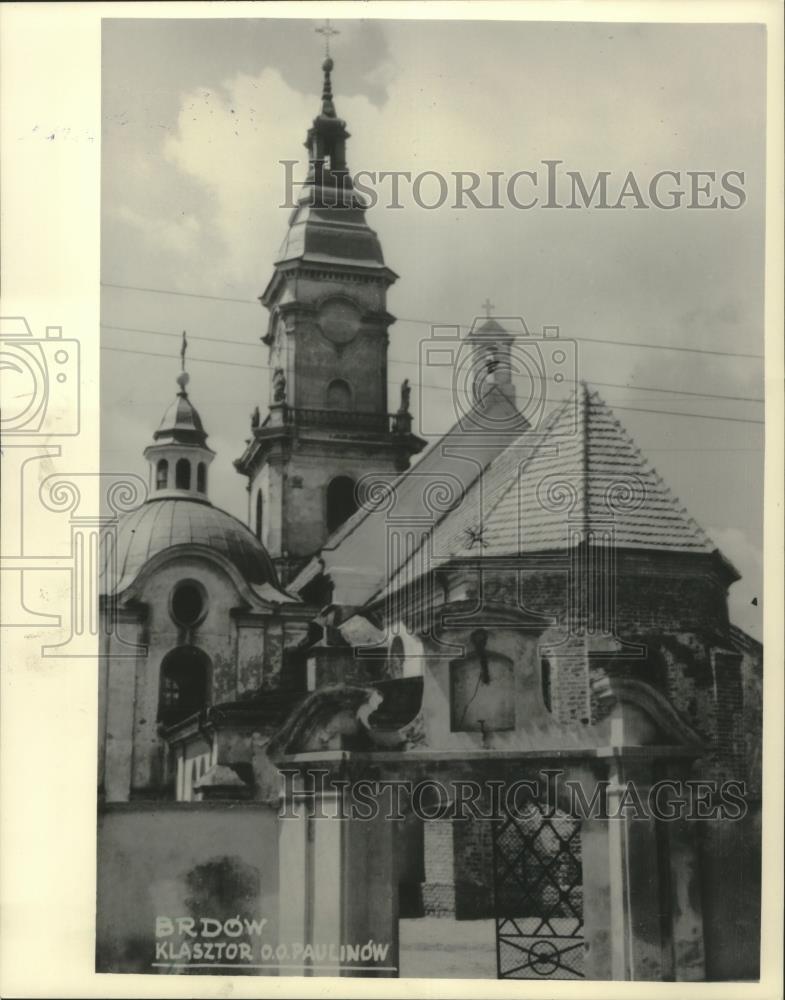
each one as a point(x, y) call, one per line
point(488, 306)
point(183, 349)
point(327, 31)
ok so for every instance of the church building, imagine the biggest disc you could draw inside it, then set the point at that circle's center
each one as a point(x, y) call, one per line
point(513, 597)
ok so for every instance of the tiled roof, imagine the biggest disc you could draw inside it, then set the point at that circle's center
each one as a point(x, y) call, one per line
point(580, 475)
point(357, 555)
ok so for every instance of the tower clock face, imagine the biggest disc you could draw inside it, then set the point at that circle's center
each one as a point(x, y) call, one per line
point(339, 321)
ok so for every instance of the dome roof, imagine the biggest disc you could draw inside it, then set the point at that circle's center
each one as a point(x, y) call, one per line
point(181, 422)
point(161, 524)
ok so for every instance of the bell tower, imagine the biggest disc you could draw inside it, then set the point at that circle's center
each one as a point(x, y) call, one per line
point(328, 422)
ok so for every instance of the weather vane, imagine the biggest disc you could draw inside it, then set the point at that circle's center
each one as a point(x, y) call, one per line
point(183, 349)
point(327, 31)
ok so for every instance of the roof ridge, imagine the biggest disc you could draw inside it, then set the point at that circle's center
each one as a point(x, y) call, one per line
point(542, 438)
point(477, 483)
point(474, 484)
point(358, 517)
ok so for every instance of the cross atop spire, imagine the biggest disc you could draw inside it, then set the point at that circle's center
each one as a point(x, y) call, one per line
point(328, 108)
point(183, 378)
point(488, 307)
point(327, 31)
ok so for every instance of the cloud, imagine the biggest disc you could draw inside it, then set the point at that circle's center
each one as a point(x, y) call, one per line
point(178, 236)
point(747, 557)
point(196, 124)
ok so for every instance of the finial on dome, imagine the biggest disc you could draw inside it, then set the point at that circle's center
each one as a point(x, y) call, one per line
point(328, 108)
point(182, 380)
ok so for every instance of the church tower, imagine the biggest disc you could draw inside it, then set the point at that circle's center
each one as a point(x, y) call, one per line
point(328, 423)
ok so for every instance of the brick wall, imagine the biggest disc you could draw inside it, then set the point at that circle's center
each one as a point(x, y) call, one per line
point(438, 891)
point(652, 592)
point(473, 852)
point(458, 868)
point(673, 605)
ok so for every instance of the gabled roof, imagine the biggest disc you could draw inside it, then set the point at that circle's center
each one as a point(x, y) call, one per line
point(358, 557)
point(575, 478)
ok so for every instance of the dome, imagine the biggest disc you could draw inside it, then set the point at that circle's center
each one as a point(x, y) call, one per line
point(181, 422)
point(161, 524)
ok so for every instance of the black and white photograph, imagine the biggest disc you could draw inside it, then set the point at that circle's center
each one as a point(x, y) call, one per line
point(419, 576)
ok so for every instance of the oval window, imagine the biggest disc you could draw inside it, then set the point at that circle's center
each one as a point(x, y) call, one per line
point(188, 604)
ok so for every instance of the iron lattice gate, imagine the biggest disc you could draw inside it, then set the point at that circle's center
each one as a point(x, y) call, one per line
point(538, 889)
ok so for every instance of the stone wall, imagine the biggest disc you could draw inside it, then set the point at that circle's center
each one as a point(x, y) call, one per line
point(245, 651)
point(731, 883)
point(177, 859)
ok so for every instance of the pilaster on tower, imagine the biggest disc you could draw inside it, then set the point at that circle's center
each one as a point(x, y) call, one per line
point(328, 422)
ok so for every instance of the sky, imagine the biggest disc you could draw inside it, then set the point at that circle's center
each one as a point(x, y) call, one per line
point(198, 114)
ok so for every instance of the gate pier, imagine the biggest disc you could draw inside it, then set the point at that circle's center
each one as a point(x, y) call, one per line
point(595, 898)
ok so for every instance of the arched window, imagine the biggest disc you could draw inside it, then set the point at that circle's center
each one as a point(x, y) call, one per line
point(161, 474)
point(182, 474)
point(258, 523)
point(201, 477)
point(339, 395)
point(185, 678)
point(341, 502)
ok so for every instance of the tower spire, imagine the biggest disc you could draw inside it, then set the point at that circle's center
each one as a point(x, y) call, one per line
point(328, 108)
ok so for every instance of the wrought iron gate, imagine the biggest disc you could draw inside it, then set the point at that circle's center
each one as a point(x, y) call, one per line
point(538, 890)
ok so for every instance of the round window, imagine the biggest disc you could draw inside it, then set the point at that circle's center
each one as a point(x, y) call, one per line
point(188, 603)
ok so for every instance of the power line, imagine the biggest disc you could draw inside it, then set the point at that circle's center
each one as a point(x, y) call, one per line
point(167, 333)
point(679, 413)
point(170, 357)
point(171, 291)
point(458, 326)
point(438, 388)
point(416, 364)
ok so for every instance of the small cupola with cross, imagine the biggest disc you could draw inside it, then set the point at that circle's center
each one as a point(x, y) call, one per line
point(493, 343)
point(179, 457)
